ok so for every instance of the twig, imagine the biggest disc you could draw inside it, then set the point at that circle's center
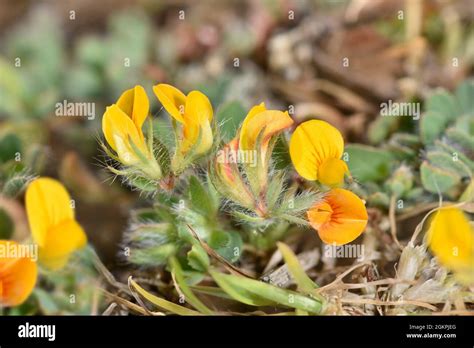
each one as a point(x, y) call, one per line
point(389, 303)
point(440, 205)
point(340, 277)
point(416, 211)
point(393, 221)
point(374, 283)
point(106, 273)
point(130, 305)
point(230, 267)
point(109, 310)
point(137, 298)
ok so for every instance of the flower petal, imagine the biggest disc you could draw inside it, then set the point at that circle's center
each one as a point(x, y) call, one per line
point(172, 99)
point(270, 122)
point(198, 108)
point(340, 218)
point(312, 143)
point(17, 277)
point(451, 238)
point(331, 172)
point(62, 240)
point(116, 123)
point(47, 204)
point(253, 111)
point(134, 102)
point(197, 117)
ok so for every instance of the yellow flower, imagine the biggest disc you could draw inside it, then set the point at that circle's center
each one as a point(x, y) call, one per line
point(242, 165)
point(17, 276)
point(231, 181)
point(52, 222)
point(260, 125)
point(315, 149)
point(194, 112)
point(122, 125)
point(451, 238)
point(339, 218)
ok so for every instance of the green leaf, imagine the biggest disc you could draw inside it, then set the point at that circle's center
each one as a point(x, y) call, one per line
point(448, 162)
point(465, 95)
point(239, 293)
point(404, 146)
point(304, 283)
point(381, 128)
point(461, 139)
point(437, 180)
point(254, 292)
point(448, 148)
point(162, 303)
point(227, 244)
point(185, 289)
point(201, 199)
point(377, 169)
point(211, 290)
point(444, 104)
point(432, 125)
point(198, 258)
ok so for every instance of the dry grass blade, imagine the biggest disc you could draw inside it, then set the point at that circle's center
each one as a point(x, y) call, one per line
point(390, 303)
point(230, 267)
point(341, 277)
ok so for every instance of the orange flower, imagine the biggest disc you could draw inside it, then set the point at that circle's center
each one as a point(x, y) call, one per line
point(17, 275)
point(340, 218)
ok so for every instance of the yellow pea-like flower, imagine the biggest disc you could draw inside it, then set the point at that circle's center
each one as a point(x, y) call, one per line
point(451, 239)
point(231, 178)
point(260, 125)
point(17, 276)
point(122, 125)
point(316, 148)
point(52, 222)
point(339, 218)
point(194, 112)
